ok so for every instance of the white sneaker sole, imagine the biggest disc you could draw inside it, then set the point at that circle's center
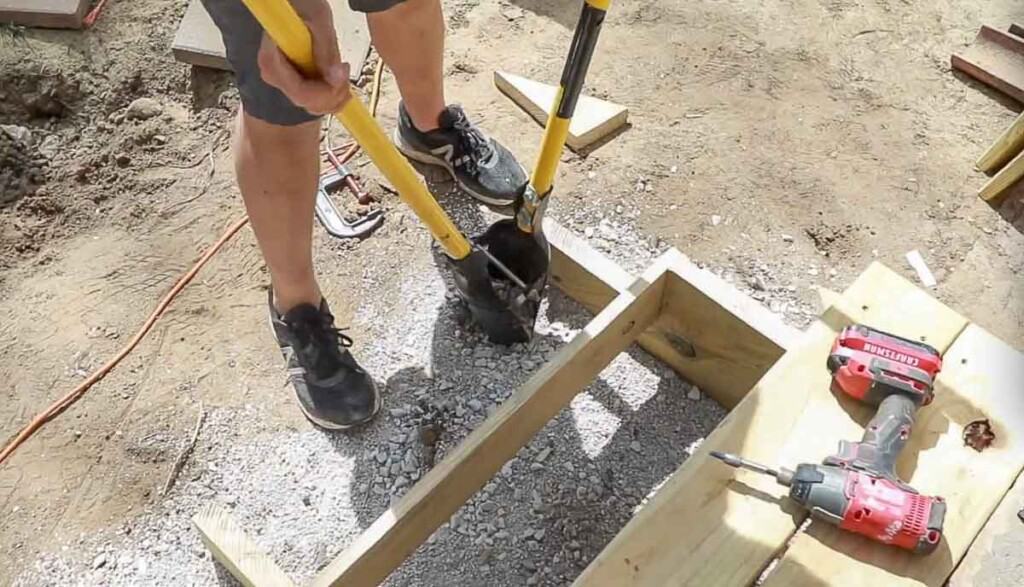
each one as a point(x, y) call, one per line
point(430, 159)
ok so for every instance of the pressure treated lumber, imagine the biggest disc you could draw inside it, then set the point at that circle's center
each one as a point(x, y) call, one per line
point(723, 341)
point(712, 525)
point(60, 14)
point(1006, 147)
point(996, 58)
point(982, 378)
point(592, 121)
point(432, 501)
point(713, 335)
point(246, 561)
point(198, 40)
point(1007, 176)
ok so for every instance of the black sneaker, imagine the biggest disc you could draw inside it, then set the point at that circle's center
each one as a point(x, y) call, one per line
point(333, 390)
point(480, 165)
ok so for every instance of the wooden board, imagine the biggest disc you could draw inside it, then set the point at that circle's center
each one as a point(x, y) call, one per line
point(982, 562)
point(996, 59)
point(1002, 181)
point(982, 377)
point(1006, 147)
point(593, 120)
point(60, 14)
point(442, 491)
point(712, 525)
point(718, 338)
point(712, 334)
point(246, 561)
point(198, 40)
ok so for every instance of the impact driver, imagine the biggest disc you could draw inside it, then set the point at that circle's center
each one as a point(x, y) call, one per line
point(858, 489)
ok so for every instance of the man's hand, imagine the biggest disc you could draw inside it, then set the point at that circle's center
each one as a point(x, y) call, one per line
point(317, 96)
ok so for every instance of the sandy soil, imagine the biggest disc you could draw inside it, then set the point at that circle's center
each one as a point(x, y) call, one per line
point(784, 145)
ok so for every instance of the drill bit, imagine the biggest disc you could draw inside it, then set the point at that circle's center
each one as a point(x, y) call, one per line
point(742, 463)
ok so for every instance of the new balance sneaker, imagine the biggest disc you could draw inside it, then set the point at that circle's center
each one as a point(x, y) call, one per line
point(480, 165)
point(333, 390)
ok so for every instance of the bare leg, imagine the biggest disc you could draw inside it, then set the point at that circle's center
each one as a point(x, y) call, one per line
point(277, 169)
point(410, 38)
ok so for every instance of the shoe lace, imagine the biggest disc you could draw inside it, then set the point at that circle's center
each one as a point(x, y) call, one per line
point(322, 344)
point(472, 142)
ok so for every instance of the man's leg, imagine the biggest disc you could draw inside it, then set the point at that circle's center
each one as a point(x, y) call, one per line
point(277, 163)
point(409, 35)
point(410, 39)
point(277, 169)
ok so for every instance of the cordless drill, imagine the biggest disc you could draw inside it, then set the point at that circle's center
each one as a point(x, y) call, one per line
point(858, 489)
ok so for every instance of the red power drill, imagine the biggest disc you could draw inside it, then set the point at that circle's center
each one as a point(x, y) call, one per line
point(858, 489)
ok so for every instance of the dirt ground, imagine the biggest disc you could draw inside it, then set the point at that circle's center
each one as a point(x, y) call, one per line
point(783, 144)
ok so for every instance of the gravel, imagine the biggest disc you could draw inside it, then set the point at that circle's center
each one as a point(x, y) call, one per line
point(304, 495)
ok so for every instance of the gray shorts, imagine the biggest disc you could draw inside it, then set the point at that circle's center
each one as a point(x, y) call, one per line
point(242, 35)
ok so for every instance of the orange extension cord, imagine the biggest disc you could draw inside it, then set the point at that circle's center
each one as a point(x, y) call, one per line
point(63, 403)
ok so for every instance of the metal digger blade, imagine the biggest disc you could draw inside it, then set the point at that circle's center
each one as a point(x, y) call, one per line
point(502, 281)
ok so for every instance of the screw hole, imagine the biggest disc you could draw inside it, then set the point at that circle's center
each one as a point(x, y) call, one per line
point(963, 361)
point(865, 308)
point(924, 338)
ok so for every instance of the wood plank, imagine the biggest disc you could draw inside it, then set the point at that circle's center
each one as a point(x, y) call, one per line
point(59, 14)
point(198, 40)
point(996, 59)
point(246, 561)
point(442, 491)
point(983, 561)
point(719, 338)
point(715, 336)
point(593, 120)
point(1006, 147)
point(713, 525)
point(982, 378)
point(1002, 181)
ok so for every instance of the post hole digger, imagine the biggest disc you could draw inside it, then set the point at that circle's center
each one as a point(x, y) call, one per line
point(500, 275)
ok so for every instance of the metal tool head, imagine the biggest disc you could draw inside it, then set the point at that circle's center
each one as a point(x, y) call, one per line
point(502, 281)
point(494, 293)
point(742, 463)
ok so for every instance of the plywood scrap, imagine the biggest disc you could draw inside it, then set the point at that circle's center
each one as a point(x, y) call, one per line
point(198, 40)
point(713, 525)
point(246, 561)
point(996, 59)
point(981, 379)
point(1005, 148)
point(593, 120)
point(58, 14)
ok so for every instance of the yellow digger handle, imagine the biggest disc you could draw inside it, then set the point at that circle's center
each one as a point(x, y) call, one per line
point(556, 131)
point(287, 30)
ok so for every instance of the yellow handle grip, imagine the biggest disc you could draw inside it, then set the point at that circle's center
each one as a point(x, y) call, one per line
point(287, 30)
